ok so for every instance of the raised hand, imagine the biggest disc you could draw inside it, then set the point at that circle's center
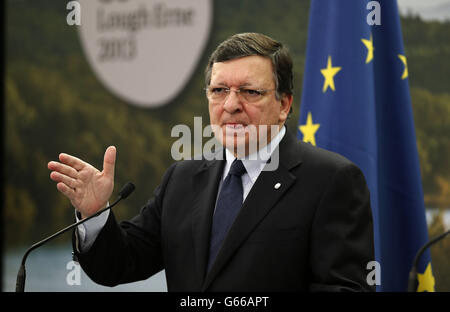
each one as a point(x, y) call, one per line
point(87, 188)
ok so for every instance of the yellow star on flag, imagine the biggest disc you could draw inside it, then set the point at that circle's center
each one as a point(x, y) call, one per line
point(426, 280)
point(309, 130)
point(370, 48)
point(405, 72)
point(329, 72)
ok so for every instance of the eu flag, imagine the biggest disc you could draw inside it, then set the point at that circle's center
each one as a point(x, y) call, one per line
point(356, 102)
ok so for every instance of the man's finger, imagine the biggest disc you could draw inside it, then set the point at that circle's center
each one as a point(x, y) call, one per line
point(72, 161)
point(109, 162)
point(62, 168)
point(58, 177)
point(67, 191)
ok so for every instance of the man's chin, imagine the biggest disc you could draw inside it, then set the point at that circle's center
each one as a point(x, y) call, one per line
point(237, 146)
point(239, 140)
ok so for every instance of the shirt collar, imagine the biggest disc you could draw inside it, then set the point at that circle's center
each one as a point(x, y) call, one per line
point(255, 163)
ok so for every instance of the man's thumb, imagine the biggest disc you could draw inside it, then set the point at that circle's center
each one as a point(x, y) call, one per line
point(109, 161)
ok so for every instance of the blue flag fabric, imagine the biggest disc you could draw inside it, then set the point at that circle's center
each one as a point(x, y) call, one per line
point(356, 102)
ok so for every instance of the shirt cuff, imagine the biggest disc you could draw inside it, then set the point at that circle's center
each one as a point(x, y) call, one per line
point(89, 230)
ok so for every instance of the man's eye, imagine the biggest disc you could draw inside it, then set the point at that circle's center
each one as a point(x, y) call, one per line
point(250, 92)
point(218, 90)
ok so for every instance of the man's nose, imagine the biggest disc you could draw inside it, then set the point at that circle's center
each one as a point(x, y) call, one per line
point(233, 102)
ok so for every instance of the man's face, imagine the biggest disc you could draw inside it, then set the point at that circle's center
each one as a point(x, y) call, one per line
point(233, 117)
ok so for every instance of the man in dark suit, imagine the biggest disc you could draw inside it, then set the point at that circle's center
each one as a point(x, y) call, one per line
point(232, 222)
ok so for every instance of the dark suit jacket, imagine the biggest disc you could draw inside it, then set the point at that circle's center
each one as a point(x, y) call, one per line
point(314, 233)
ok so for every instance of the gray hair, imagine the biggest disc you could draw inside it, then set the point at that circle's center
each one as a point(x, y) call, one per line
point(248, 44)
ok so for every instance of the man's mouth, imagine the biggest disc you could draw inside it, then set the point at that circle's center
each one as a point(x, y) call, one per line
point(235, 126)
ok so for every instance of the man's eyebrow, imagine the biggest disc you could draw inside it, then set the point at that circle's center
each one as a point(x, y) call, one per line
point(245, 84)
point(220, 84)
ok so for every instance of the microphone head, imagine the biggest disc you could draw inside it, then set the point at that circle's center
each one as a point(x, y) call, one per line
point(126, 190)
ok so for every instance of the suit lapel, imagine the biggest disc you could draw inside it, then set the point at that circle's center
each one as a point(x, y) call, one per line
point(206, 183)
point(261, 199)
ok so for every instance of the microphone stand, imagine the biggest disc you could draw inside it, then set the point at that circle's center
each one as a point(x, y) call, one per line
point(412, 283)
point(21, 275)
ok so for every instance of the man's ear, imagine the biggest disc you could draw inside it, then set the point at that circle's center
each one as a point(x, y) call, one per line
point(286, 104)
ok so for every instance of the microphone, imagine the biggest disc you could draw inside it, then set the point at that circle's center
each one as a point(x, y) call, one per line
point(126, 190)
point(412, 282)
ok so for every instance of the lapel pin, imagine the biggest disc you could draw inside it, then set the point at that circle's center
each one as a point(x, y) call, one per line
point(277, 186)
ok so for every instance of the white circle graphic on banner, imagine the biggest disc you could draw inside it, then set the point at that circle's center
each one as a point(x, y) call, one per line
point(144, 51)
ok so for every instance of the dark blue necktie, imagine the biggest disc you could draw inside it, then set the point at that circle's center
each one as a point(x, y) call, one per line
point(228, 205)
